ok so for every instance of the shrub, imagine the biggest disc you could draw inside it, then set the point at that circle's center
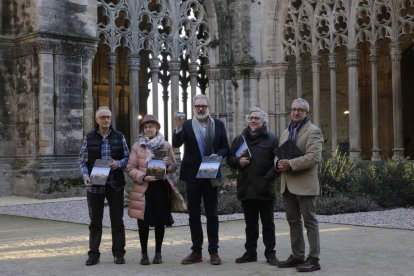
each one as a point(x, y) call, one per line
point(335, 174)
point(342, 204)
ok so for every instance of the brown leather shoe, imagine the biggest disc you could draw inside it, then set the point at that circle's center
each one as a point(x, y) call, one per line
point(311, 264)
point(193, 258)
point(290, 262)
point(215, 258)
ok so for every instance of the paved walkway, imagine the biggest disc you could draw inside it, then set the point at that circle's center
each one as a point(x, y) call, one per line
point(31, 246)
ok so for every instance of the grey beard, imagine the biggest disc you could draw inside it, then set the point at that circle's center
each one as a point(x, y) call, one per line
point(202, 117)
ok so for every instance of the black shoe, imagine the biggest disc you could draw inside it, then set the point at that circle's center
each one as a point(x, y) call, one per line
point(272, 260)
point(119, 259)
point(92, 260)
point(247, 258)
point(157, 258)
point(144, 259)
point(290, 262)
point(311, 264)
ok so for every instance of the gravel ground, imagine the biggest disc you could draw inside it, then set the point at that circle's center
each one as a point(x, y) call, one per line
point(76, 211)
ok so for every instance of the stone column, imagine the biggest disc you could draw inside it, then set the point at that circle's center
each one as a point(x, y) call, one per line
point(174, 66)
point(212, 78)
point(398, 150)
point(354, 105)
point(316, 89)
point(299, 68)
point(254, 87)
point(281, 111)
point(334, 128)
point(111, 61)
point(46, 105)
point(193, 79)
point(374, 102)
point(155, 69)
point(134, 65)
point(87, 83)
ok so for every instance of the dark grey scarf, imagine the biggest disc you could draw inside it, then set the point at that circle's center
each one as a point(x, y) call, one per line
point(295, 127)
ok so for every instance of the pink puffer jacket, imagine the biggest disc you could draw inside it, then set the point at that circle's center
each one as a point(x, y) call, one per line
point(136, 169)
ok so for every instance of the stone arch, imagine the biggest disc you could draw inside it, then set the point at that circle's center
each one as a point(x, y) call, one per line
point(365, 27)
point(155, 33)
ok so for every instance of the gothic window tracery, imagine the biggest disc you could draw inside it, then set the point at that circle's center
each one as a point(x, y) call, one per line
point(157, 29)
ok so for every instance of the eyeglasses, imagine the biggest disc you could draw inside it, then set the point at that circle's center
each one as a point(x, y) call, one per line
point(251, 118)
point(298, 110)
point(148, 126)
point(105, 117)
point(200, 106)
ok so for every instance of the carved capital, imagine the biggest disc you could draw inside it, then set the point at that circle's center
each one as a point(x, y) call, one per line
point(174, 66)
point(134, 62)
point(332, 61)
point(352, 58)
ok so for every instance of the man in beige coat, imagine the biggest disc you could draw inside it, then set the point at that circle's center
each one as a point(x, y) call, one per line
point(300, 185)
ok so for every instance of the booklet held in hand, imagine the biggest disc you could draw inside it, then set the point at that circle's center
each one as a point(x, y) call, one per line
point(209, 167)
point(156, 166)
point(100, 171)
point(288, 150)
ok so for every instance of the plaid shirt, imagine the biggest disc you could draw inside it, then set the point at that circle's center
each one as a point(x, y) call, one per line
point(105, 154)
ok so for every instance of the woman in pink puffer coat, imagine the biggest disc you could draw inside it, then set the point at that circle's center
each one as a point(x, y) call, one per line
point(152, 200)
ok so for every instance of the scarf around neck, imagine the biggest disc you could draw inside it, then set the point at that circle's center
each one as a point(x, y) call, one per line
point(151, 145)
point(295, 127)
point(204, 136)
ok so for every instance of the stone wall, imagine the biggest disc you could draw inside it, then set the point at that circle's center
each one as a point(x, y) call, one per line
point(45, 52)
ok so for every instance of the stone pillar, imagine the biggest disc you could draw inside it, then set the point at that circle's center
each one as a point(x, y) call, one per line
point(174, 66)
point(111, 61)
point(155, 69)
point(354, 105)
point(254, 87)
point(374, 102)
point(334, 128)
point(268, 95)
point(316, 89)
point(299, 68)
point(46, 106)
point(212, 79)
point(134, 64)
point(193, 78)
point(281, 111)
point(87, 82)
point(398, 150)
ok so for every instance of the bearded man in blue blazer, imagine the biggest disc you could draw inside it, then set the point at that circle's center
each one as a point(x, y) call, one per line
point(201, 136)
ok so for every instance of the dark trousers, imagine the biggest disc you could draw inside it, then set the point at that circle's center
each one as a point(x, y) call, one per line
point(252, 208)
point(298, 207)
point(116, 212)
point(143, 231)
point(202, 188)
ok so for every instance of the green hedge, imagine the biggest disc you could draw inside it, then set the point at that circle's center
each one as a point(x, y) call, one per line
point(346, 186)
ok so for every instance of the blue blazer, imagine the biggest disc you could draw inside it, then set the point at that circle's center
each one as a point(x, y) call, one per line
point(192, 157)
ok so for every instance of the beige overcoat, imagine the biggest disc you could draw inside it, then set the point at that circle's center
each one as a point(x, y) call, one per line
point(303, 178)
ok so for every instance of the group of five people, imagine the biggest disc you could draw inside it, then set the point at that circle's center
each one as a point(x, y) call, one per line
point(152, 200)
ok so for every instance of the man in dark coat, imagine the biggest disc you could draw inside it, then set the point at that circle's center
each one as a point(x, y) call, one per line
point(256, 183)
point(201, 136)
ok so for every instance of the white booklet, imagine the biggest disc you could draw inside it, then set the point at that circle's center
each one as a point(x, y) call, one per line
point(209, 167)
point(100, 171)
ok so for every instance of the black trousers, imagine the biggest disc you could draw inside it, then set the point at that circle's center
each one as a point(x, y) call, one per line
point(252, 208)
point(116, 212)
point(202, 189)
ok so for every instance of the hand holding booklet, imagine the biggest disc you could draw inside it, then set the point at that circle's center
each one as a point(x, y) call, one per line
point(209, 167)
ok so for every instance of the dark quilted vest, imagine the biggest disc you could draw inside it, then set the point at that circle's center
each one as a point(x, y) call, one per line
point(94, 140)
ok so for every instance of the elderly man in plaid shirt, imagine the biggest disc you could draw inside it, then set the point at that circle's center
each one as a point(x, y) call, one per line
point(105, 143)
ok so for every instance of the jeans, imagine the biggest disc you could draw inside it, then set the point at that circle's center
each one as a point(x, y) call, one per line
point(252, 208)
point(201, 188)
point(116, 211)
